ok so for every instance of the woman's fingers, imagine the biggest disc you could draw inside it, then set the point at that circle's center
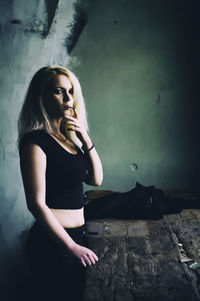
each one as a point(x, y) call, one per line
point(93, 260)
point(86, 256)
point(87, 259)
point(83, 262)
point(70, 117)
point(95, 256)
point(76, 113)
point(76, 125)
point(90, 258)
point(72, 121)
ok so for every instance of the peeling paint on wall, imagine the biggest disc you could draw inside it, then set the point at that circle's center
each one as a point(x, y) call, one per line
point(15, 21)
point(133, 166)
point(79, 22)
point(34, 25)
point(37, 25)
point(51, 6)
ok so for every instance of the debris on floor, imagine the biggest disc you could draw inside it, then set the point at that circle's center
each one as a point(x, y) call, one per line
point(195, 265)
point(182, 252)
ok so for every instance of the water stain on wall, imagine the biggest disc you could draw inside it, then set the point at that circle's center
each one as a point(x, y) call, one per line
point(35, 25)
point(15, 21)
point(2, 150)
point(158, 99)
point(38, 26)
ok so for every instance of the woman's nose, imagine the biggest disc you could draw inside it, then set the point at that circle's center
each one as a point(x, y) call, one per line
point(65, 97)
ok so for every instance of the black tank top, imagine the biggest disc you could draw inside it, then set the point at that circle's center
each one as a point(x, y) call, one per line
point(65, 172)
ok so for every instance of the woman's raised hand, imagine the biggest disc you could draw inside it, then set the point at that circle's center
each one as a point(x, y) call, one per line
point(85, 255)
point(76, 125)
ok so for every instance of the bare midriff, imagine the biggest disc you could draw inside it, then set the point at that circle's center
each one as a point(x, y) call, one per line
point(69, 218)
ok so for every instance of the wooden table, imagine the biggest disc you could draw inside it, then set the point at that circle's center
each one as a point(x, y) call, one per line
point(140, 260)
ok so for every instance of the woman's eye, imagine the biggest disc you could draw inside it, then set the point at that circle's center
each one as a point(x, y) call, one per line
point(58, 91)
point(71, 91)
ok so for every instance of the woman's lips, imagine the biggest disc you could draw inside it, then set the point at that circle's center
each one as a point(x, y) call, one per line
point(68, 107)
point(69, 111)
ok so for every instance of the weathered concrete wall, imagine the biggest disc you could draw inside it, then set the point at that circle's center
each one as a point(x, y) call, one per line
point(137, 63)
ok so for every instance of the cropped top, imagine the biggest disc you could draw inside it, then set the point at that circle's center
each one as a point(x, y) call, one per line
point(65, 172)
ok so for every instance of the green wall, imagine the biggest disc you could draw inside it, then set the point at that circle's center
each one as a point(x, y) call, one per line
point(137, 66)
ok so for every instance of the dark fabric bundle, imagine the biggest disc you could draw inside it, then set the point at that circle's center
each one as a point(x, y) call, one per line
point(139, 203)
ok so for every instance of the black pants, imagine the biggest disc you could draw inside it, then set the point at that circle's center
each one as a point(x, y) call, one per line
point(55, 274)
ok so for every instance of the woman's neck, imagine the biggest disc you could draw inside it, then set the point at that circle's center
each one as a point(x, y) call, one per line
point(55, 124)
point(57, 130)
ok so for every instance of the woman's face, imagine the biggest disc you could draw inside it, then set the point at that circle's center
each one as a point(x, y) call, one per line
point(59, 97)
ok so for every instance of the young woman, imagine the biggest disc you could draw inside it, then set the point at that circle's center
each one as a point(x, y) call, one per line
point(56, 156)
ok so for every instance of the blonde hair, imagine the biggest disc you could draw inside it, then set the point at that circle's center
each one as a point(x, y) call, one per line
point(33, 114)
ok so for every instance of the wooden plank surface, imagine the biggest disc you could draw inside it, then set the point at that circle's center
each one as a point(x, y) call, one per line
point(140, 260)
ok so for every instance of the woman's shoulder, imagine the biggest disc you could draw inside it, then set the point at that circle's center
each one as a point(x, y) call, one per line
point(34, 133)
point(35, 136)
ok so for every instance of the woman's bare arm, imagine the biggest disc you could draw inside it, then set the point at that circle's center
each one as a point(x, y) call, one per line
point(33, 169)
point(97, 169)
